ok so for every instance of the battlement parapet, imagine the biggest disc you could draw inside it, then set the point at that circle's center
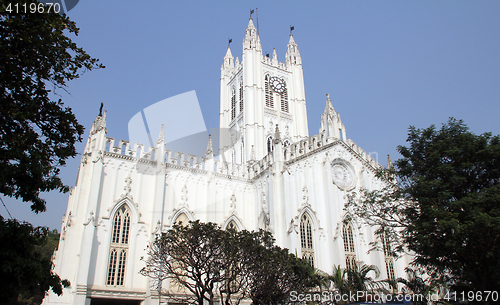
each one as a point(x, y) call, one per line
point(320, 142)
point(175, 158)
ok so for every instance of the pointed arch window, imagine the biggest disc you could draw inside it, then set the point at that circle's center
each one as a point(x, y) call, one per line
point(119, 247)
point(269, 93)
point(241, 96)
point(269, 144)
point(306, 240)
point(284, 101)
point(388, 256)
point(350, 253)
point(182, 220)
point(232, 226)
point(233, 104)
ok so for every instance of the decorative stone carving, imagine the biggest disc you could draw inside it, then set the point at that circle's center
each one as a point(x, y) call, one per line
point(99, 157)
point(343, 174)
point(184, 197)
point(292, 227)
point(305, 196)
point(90, 219)
point(232, 208)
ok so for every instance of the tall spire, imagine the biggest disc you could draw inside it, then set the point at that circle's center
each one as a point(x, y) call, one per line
point(329, 106)
point(292, 53)
point(99, 122)
point(331, 123)
point(389, 162)
point(251, 27)
point(251, 40)
point(228, 59)
point(275, 57)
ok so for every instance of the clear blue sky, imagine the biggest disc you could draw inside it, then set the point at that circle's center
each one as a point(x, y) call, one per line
point(386, 64)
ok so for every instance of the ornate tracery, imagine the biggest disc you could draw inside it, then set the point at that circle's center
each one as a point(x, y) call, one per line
point(306, 239)
point(269, 93)
point(233, 104)
point(388, 256)
point(350, 252)
point(119, 247)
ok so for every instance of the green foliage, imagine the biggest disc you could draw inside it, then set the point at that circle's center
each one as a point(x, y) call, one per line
point(205, 263)
point(442, 203)
point(384, 210)
point(359, 279)
point(37, 135)
point(25, 263)
point(276, 273)
point(355, 279)
point(420, 284)
point(348, 281)
point(453, 177)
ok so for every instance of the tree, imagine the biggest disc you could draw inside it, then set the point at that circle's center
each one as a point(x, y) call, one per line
point(26, 268)
point(359, 280)
point(446, 203)
point(348, 281)
point(205, 263)
point(37, 134)
point(276, 273)
point(339, 280)
point(191, 257)
point(419, 284)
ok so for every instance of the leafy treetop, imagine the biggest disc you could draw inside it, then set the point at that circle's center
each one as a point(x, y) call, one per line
point(37, 134)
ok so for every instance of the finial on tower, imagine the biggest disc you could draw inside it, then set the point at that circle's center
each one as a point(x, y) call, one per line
point(210, 151)
point(228, 59)
point(389, 162)
point(329, 105)
point(292, 53)
point(161, 136)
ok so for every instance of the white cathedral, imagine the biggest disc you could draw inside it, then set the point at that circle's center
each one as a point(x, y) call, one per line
point(271, 175)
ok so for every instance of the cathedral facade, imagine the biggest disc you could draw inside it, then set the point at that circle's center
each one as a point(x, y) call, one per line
point(271, 174)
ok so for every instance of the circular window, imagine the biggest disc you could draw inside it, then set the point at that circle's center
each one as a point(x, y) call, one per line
point(343, 174)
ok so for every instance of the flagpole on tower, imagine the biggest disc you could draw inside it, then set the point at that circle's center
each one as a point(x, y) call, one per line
point(257, 15)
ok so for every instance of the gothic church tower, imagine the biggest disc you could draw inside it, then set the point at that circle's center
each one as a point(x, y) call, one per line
point(281, 180)
point(258, 94)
